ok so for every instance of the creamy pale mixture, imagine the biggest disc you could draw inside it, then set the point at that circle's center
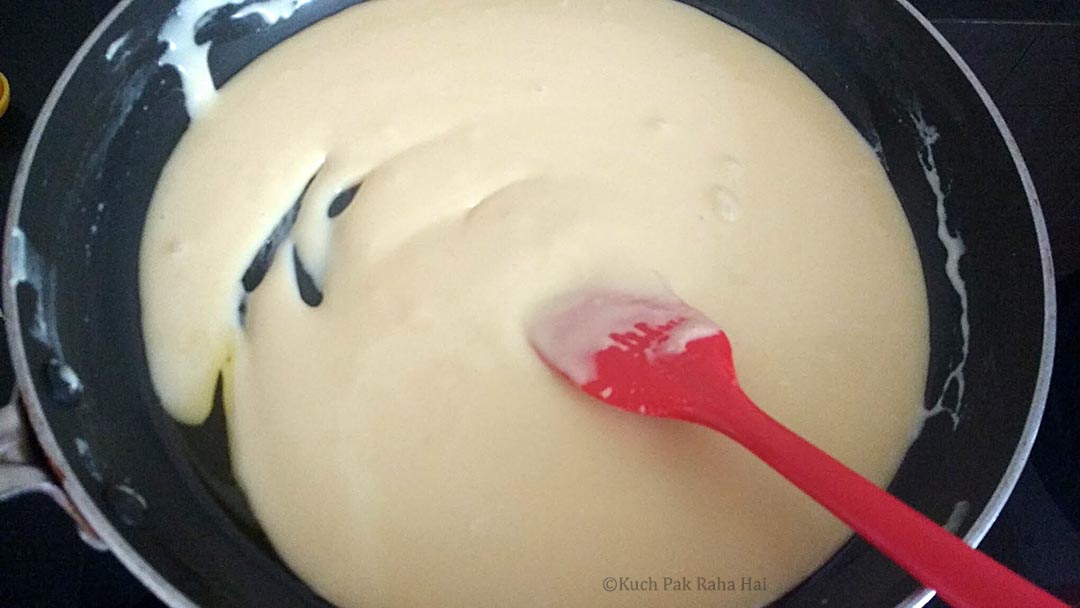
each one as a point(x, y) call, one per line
point(401, 443)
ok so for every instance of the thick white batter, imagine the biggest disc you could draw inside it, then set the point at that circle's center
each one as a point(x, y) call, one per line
point(401, 444)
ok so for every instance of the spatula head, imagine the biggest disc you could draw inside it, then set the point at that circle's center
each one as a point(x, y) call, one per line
point(652, 355)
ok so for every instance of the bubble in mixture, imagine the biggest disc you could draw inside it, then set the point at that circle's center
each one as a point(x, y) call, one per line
point(727, 205)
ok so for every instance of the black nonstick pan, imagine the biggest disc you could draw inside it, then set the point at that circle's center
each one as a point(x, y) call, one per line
point(86, 426)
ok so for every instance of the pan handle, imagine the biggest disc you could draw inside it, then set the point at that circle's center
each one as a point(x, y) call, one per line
point(23, 470)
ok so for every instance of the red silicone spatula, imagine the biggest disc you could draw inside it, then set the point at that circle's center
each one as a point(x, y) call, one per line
point(660, 357)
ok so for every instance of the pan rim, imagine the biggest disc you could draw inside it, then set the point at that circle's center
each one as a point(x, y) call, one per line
point(44, 435)
point(164, 590)
point(1005, 487)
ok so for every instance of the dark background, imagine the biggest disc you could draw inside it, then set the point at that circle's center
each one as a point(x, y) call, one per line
point(1026, 52)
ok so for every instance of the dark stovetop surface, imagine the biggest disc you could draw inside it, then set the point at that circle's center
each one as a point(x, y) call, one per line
point(1027, 53)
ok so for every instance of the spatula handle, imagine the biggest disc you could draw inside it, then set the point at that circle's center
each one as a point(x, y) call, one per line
point(962, 576)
